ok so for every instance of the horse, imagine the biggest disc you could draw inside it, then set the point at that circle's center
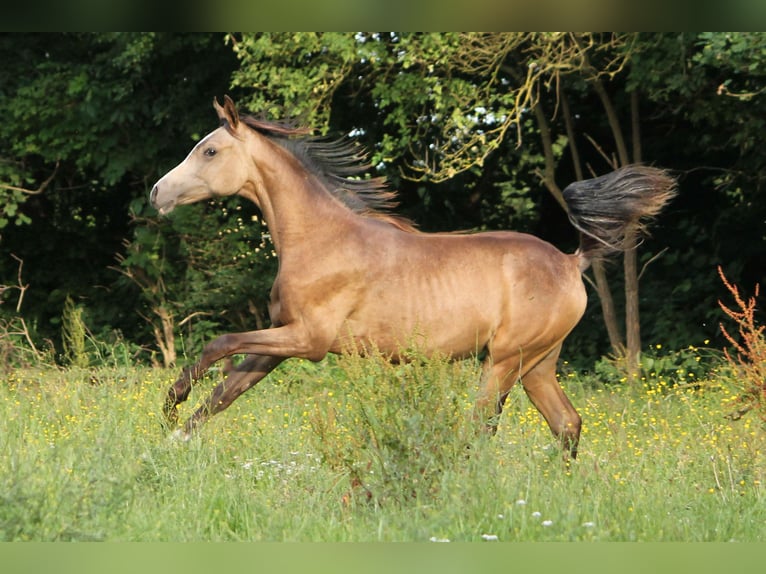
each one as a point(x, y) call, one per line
point(353, 274)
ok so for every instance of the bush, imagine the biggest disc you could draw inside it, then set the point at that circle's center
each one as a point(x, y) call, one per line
point(747, 357)
point(395, 430)
point(73, 335)
point(17, 339)
point(660, 368)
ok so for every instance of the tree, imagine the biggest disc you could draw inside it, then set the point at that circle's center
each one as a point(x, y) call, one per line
point(213, 275)
point(704, 94)
point(476, 131)
point(449, 101)
point(91, 120)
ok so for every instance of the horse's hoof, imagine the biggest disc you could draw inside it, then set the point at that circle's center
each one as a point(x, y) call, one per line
point(180, 435)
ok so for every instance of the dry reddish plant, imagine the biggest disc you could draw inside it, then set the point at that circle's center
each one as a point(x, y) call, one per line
point(749, 364)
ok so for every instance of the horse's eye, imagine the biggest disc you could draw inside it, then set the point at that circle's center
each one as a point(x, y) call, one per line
point(210, 152)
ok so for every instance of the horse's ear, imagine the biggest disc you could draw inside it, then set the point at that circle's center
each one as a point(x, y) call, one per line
point(228, 112)
point(231, 111)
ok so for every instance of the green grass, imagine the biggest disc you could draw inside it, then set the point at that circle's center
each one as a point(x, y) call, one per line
point(357, 450)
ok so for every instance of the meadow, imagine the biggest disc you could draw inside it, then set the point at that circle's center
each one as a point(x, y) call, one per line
point(354, 449)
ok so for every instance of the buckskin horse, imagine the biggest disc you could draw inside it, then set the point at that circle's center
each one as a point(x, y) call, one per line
point(354, 275)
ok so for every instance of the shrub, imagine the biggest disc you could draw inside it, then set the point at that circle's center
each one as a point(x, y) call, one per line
point(396, 429)
point(73, 334)
point(661, 368)
point(17, 339)
point(747, 357)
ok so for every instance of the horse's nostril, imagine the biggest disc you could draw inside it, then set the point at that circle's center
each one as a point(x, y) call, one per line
point(153, 195)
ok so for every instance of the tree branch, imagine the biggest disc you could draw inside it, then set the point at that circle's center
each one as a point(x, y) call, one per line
point(569, 126)
point(191, 316)
point(652, 260)
point(24, 329)
point(37, 191)
point(610, 160)
point(635, 124)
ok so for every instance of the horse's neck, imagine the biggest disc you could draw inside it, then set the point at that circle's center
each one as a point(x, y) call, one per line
point(298, 214)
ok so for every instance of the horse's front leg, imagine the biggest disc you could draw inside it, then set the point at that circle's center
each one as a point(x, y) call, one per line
point(179, 391)
point(280, 342)
point(241, 378)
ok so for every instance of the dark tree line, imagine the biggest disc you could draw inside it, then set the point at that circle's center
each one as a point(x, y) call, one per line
point(474, 130)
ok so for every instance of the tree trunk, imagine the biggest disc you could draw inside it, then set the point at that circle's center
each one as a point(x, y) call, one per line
point(549, 176)
point(602, 284)
point(630, 349)
point(632, 322)
point(607, 309)
point(165, 336)
point(630, 264)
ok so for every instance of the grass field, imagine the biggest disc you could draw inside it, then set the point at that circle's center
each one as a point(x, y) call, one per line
point(357, 450)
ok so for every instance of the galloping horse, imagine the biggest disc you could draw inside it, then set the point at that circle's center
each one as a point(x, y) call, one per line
point(353, 274)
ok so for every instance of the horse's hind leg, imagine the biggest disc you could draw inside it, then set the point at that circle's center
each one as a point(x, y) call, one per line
point(544, 391)
point(497, 381)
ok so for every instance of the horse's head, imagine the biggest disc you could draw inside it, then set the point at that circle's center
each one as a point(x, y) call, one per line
point(217, 166)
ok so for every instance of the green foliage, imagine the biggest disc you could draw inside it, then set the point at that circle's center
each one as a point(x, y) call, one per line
point(397, 428)
point(713, 81)
point(513, 203)
point(91, 120)
point(102, 116)
point(740, 56)
point(94, 90)
point(439, 112)
point(73, 335)
point(82, 349)
point(12, 199)
point(96, 79)
point(298, 72)
point(231, 262)
point(210, 277)
point(661, 369)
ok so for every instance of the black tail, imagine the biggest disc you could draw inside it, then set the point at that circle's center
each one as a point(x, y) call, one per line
point(611, 211)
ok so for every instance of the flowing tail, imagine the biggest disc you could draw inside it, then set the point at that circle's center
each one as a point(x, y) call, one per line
point(612, 211)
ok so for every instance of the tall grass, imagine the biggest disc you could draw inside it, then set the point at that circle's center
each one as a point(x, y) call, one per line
point(354, 449)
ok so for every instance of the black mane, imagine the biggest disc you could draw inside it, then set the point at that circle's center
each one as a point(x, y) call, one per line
point(338, 164)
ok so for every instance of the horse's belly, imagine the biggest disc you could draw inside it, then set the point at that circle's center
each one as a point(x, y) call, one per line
point(456, 324)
